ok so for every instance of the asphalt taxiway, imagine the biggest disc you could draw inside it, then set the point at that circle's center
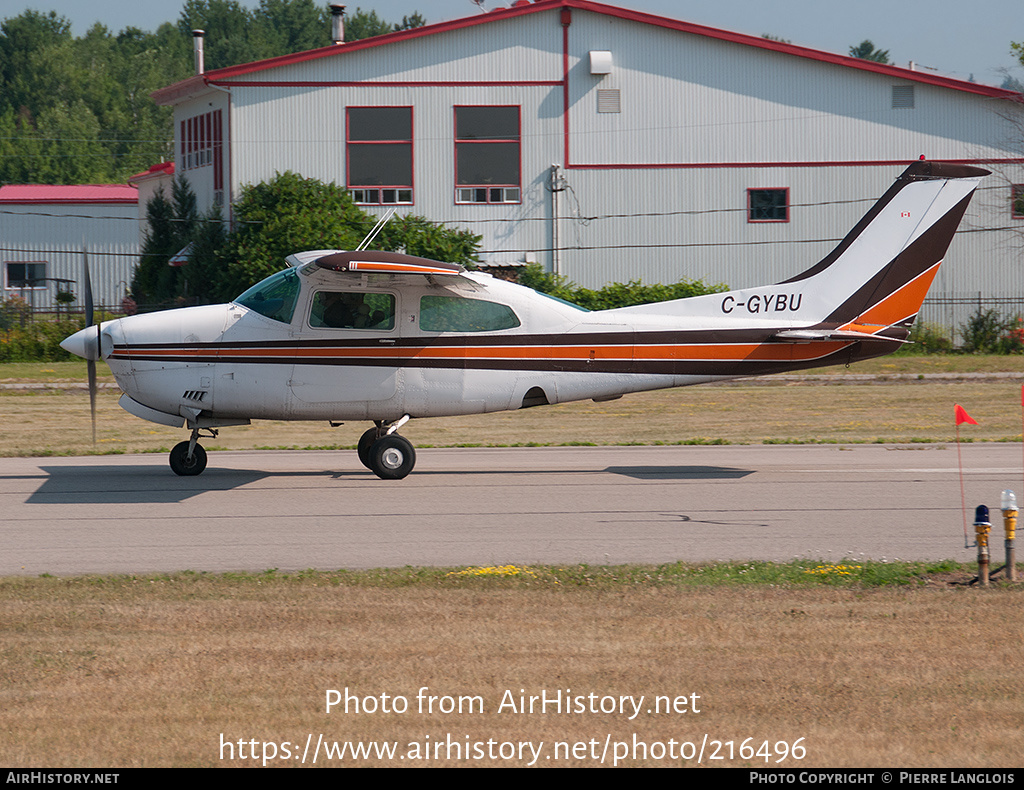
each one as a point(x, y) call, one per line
point(304, 509)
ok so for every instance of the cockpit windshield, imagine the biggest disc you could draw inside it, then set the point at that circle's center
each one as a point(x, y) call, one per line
point(274, 297)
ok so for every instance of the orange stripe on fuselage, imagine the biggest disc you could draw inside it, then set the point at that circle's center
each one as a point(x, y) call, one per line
point(722, 352)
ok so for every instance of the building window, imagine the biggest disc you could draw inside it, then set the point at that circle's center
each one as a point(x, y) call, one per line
point(21, 275)
point(1017, 201)
point(379, 151)
point(487, 167)
point(202, 144)
point(768, 205)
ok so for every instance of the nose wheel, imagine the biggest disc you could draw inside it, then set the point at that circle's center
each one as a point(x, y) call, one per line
point(188, 457)
point(184, 464)
point(385, 453)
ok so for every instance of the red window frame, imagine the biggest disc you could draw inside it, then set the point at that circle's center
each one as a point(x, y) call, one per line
point(363, 190)
point(202, 144)
point(750, 208)
point(492, 193)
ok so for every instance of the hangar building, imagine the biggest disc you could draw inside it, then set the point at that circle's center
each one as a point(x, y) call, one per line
point(613, 145)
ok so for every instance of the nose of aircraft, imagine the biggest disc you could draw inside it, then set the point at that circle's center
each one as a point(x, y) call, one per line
point(84, 343)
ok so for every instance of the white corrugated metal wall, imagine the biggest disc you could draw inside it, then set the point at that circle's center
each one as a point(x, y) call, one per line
point(701, 120)
point(110, 234)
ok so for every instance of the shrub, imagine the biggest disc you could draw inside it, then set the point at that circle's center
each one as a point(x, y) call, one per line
point(928, 339)
point(989, 332)
point(38, 341)
point(614, 294)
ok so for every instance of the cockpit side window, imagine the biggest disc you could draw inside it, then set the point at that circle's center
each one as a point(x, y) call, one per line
point(274, 297)
point(352, 310)
point(456, 314)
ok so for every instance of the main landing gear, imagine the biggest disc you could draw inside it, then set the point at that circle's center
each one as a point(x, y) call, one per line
point(384, 452)
point(189, 458)
point(381, 450)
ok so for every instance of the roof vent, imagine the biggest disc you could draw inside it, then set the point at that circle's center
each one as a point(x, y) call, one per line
point(338, 23)
point(600, 61)
point(197, 49)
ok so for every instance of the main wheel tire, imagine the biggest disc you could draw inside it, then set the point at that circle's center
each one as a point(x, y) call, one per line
point(363, 448)
point(182, 464)
point(392, 457)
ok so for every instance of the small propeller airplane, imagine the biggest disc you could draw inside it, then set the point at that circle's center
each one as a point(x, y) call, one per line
point(384, 336)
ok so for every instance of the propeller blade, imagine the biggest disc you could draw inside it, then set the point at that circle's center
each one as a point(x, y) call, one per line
point(90, 364)
point(88, 288)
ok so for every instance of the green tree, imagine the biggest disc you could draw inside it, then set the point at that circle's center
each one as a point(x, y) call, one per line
point(70, 148)
point(363, 24)
point(21, 37)
point(157, 248)
point(79, 109)
point(290, 214)
point(293, 25)
point(232, 36)
point(865, 50)
point(201, 272)
point(173, 224)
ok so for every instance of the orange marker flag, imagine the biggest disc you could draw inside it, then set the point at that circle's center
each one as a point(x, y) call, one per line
point(962, 416)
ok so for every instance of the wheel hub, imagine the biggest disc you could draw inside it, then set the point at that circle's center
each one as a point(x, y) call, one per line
point(392, 458)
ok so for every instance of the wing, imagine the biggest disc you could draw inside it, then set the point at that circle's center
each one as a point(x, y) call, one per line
point(385, 263)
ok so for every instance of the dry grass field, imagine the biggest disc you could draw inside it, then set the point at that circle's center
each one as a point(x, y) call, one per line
point(164, 671)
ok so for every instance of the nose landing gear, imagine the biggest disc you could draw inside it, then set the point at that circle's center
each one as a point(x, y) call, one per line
point(384, 452)
point(189, 458)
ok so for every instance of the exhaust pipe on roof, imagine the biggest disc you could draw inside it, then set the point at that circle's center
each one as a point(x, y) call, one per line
point(197, 48)
point(338, 23)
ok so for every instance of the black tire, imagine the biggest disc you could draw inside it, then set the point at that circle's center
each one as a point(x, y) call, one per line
point(363, 448)
point(392, 457)
point(182, 464)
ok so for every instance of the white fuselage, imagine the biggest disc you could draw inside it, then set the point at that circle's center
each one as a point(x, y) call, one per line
point(229, 362)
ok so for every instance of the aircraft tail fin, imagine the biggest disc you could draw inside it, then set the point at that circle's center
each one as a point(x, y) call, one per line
point(878, 276)
point(873, 283)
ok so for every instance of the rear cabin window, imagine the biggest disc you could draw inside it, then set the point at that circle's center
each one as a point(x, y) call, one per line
point(455, 314)
point(352, 310)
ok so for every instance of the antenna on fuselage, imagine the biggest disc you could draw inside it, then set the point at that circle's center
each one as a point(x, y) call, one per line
point(376, 229)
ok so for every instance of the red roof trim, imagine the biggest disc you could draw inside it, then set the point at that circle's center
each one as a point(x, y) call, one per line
point(171, 93)
point(766, 165)
point(793, 49)
point(103, 194)
point(155, 171)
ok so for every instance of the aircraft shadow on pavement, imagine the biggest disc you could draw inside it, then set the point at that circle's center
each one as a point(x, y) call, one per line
point(679, 472)
point(132, 485)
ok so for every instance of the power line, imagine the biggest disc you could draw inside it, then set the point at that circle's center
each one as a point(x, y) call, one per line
point(587, 219)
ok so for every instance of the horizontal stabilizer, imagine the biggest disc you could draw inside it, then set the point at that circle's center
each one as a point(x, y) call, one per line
point(817, 335)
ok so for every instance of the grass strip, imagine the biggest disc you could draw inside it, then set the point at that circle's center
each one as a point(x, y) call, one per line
point(796, 574)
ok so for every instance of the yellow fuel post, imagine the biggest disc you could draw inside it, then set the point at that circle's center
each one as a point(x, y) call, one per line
point(1009, 507)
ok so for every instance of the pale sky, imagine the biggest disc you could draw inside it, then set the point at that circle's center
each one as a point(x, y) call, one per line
point(953, 37)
